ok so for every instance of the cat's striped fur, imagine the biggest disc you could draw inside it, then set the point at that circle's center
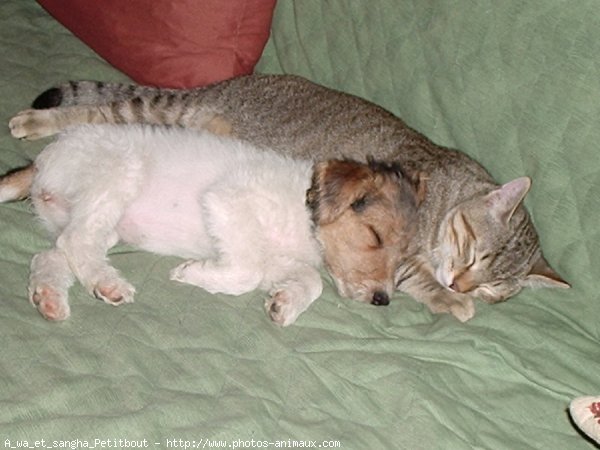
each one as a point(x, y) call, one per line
point(475, 237)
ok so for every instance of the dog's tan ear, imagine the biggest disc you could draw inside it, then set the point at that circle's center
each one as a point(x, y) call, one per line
point(418, 180)
point(336, 186)
point(414, 180)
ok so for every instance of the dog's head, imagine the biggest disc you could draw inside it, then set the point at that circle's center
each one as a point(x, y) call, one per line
point(364, 216)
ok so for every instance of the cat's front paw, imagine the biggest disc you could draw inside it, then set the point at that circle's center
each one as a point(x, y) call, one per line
point(281, 308)
point(52, 303)
point(114, 291)
point(32, 124)
point(463, 309)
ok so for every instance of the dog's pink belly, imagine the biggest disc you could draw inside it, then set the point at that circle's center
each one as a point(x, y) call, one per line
point(166, 224)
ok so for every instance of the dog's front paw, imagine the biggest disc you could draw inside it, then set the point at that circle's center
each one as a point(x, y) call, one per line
point(180, 273)
point(114, 291)
point(32, 124)
point(281, 308)
point(52, 303)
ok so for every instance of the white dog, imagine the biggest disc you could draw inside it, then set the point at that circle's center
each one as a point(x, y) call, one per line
point(238, 213)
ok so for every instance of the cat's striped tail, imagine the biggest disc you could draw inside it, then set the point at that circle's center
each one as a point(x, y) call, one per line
point(16, 184)
point(74, 93)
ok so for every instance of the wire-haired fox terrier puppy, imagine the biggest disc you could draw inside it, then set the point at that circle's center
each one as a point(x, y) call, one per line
point(245, 218)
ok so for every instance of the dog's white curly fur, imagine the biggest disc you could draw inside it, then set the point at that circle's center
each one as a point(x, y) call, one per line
point(237, 212)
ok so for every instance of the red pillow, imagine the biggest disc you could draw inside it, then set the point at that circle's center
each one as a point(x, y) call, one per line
point(171, 43)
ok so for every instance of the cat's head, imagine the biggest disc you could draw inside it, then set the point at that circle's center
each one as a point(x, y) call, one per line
point(488, 247)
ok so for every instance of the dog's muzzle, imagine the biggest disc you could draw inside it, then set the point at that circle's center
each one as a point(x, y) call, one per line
point(380, 298)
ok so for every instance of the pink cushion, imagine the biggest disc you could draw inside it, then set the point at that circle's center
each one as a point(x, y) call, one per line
point(171, 43)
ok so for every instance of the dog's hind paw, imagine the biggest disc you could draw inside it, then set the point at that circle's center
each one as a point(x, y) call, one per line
point(32, 124)
point(114, 292)
point(50, 302)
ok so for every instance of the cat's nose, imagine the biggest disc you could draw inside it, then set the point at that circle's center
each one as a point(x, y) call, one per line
point(380, 298)
point(461, 284)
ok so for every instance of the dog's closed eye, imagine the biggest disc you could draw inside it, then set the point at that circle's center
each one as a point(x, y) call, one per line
point(359, 205)
point(377, 237)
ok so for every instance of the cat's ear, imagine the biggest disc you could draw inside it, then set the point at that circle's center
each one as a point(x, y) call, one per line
point(542, 275)
point(503, 202)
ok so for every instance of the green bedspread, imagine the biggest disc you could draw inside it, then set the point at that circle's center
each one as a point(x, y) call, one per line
point(515, 84)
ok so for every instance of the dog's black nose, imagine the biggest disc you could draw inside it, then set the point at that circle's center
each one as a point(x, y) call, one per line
point(380, 298)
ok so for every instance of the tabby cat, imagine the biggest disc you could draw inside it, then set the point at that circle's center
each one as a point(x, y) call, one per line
point(475, 239)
